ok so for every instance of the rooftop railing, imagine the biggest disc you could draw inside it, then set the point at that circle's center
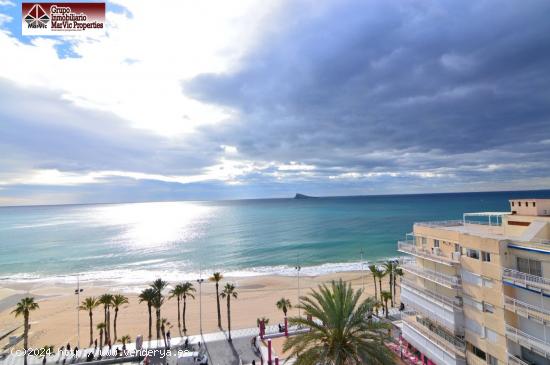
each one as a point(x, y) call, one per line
point(446, 223)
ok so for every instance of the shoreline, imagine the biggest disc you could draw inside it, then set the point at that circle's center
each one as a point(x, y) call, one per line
point(55, 323)
point(140, 277)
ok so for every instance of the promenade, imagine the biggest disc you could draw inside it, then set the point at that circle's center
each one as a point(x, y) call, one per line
point(215, 345)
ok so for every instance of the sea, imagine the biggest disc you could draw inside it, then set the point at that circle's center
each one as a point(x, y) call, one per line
point(180, 240)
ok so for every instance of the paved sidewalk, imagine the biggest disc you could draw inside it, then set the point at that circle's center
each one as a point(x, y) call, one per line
point(217, 339)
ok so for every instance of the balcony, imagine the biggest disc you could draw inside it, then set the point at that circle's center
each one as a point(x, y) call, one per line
point(410, 248)
point(532, 343)
point(516, 360)
point(527, 310)
point(435, 224)
point(448, 281)
point(445, 341)
point(444, 310)
point(524, 280)
point(430, 348)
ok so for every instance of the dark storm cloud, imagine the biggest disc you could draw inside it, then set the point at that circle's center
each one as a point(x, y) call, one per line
point(392, 85)
point(40, 130)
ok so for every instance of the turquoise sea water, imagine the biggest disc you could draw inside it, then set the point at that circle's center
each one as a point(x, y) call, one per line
point(135, 242)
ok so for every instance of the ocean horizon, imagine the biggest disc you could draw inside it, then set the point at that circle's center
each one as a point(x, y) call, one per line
point(132, 243)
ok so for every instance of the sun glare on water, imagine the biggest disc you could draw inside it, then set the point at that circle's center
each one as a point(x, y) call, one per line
point(155, 225)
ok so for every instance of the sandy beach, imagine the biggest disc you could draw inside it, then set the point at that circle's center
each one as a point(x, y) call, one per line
point(55, 323)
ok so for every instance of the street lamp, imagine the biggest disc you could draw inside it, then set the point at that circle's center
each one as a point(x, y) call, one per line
point(298, 268)
point(362, 271)
point(77, 291)
point(200, 280)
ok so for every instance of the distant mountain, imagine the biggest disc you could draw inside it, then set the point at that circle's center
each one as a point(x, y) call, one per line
point(302, 196)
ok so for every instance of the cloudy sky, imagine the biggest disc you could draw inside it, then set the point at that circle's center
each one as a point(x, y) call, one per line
point(247, 99)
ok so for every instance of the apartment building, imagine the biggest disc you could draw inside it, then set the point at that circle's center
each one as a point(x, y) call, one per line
point(477, 291)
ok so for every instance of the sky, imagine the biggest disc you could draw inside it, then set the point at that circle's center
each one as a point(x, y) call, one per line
point(255, 99)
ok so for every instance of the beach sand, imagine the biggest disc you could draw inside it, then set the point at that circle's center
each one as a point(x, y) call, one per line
point(55, 323)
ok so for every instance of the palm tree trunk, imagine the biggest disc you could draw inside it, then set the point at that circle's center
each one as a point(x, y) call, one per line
point(100, 339)
point(386, 306)
point(26, 337)
point(394, 283)
point(114, 323)
point(105, 321)
point(375, 287)
point(150, 321)
point(229, 316)
point(158, 323)
point(380, 282)
point(391, 282)
point(179, 313)
point(218, 302)
point(184, 309)
point(91, 327)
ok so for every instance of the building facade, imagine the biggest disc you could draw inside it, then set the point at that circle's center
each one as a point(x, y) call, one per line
point(477, 291)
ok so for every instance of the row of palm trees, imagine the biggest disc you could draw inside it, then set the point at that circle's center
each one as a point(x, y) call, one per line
point(389, 268)
point(109, 302)
point(154, 298)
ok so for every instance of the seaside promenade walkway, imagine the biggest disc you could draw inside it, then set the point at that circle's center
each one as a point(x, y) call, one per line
point(216, 345)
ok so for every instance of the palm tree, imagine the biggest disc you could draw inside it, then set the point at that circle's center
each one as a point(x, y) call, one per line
point(284, 305)
point(217, 277)
point(45, 351)
point(125, 339)
point(148, 295)
point(385, 295)
point(373, 269)
point(106, 300)
point(24, 308)
point(177, 293)
point(163, 324)
point(380, 274)
point(341, 334)
point(158, 286)
point(228, 292)
point(398, 271)
point(101, 328)
point(389, 269)
point(89, 304)
point(157, 303)
point(259, 320)
point(187, 291)
point(118, 301)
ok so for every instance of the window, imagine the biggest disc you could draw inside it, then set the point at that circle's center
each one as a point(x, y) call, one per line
point(534, 204)
point(529, 266)
point(472, 302)
point(457, 247)
point(519, 204)
point(488, 308)
point(471, 278)
point(473, 326)
point(491, 360)
point(485, 256)
point(474, 254)
point(423, 241)
point(436, 243)
point(488, 283)
point(512, 203)
point(477, 352)
point(491, 335)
